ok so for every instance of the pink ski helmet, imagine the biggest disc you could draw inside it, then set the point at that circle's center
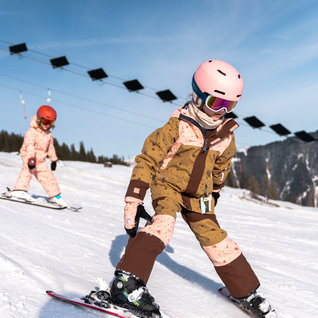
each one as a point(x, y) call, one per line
point(219, 79)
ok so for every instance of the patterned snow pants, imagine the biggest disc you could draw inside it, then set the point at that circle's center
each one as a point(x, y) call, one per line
point(226, 256)
point(42, 173)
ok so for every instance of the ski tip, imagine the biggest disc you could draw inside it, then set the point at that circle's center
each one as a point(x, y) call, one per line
point(73, 209)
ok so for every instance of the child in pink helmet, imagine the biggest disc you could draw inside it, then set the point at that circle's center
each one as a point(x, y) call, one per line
point(185, 163)
point(37, 145)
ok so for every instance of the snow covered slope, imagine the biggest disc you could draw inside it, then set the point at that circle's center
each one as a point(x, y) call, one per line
point(42, 249)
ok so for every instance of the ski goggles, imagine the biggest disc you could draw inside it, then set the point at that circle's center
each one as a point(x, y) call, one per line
point(47, 122)
point(213, 103)
point(217, 104)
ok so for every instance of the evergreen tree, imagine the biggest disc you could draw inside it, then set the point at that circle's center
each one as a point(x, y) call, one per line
point(2, 137)
point(82, 153)
point(6, 143)
point(13, 142)
point(74, 154)
point(57, 148)
point(93, 157)
point(101, 159)
point(10, 142)
point(90, 156)
point(65, 153)
point(16, 142)
point(115, 159)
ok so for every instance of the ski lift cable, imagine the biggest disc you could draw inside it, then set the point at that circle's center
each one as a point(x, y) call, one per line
point(83, 98)
point(77, 73)
point(87, 109)
point(101, 113)
point(91, 109)
point(87, 68)
point(117, 108)
point(84, 75)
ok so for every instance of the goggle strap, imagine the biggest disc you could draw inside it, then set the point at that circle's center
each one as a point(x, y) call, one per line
point(197, 90)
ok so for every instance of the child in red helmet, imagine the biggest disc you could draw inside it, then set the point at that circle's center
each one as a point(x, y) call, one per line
point(185, 163)
point(37, 145)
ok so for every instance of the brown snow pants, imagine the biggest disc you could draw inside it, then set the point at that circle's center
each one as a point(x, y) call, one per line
point(142, 251)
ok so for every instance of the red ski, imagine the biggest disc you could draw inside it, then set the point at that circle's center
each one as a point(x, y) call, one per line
point(79, 302)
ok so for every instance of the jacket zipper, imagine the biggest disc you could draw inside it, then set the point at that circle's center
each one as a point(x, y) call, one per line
point(205, 144)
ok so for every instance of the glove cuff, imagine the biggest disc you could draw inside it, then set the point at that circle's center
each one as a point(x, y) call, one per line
point(218, 187)
point(130, 211)
point(133, 200)
point(137, 189)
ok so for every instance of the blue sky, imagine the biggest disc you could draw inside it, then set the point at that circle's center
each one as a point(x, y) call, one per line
point(273, 44)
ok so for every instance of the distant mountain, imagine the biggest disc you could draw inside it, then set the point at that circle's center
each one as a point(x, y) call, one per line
point(290, 166)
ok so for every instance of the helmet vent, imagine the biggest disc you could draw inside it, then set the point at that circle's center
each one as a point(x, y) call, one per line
point(239, 76)
point(221, 72)
point(238, 95)
point(219, 92)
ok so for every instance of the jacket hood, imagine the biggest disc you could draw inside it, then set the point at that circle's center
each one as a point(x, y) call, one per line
point(34, 125)
point(33, 122)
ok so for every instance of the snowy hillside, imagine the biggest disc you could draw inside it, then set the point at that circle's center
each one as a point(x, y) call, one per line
point(64, 251)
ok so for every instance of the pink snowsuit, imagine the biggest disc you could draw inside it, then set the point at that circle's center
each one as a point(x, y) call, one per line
point(38, 144)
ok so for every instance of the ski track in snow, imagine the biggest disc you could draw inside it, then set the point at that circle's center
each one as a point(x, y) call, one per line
point(63, 251)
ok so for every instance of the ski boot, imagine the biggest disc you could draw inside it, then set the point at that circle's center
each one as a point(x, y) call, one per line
point(58, 201)
point(129, 291)
point(20, 195)
point(255, 304)
point(98, 298)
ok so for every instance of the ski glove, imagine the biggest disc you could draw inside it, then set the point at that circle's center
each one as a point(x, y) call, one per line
point(31, 163)
point(53, 165)
point(215, 195)
point(134, 210)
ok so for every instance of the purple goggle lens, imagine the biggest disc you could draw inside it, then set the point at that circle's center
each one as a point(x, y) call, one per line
point(216, 104)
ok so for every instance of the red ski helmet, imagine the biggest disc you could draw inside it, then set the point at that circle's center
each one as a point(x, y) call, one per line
point(46, 115)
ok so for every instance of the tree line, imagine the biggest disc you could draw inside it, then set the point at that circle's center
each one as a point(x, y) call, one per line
point(13, 142)
point(266, 188)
